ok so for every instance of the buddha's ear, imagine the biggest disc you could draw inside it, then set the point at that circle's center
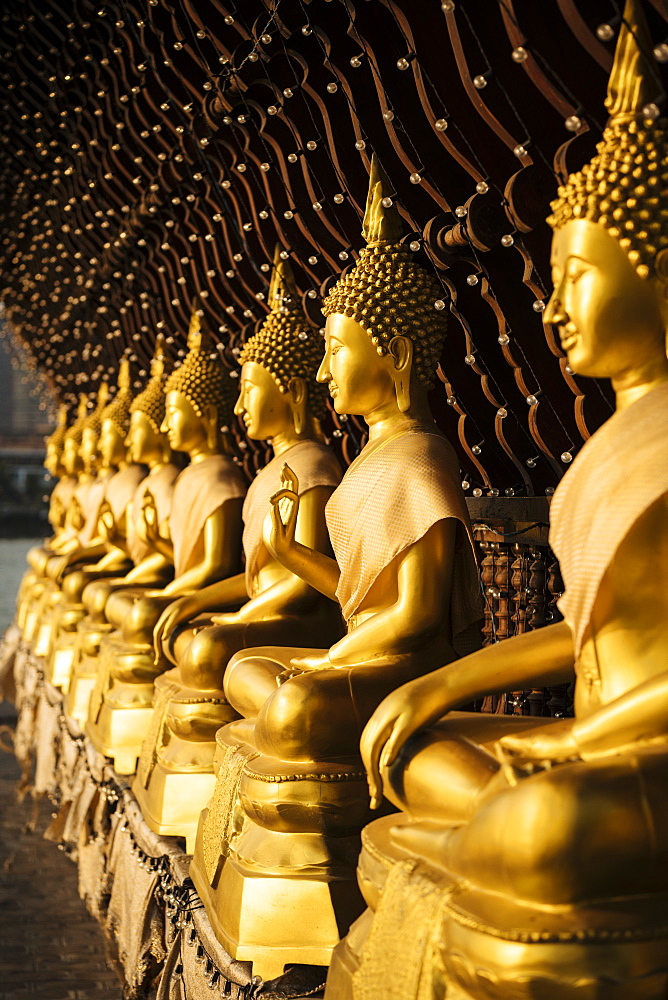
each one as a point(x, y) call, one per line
point(401, 351)
point(661, 266)
point(211, 422)
point(298, 402)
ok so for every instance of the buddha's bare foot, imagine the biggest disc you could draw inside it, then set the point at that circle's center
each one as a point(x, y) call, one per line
point(429, 841)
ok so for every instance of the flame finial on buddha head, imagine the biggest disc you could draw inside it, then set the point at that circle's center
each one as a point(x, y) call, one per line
point(620, 188)
point(387, 292)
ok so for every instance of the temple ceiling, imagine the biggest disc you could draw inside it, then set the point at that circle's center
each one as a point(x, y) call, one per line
point(155, 150)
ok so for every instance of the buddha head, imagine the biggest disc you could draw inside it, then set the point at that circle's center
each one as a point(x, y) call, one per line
point(278, 393)
point(72, 462)
point(197, 394)
point(54, 444)
point(90, 432)
point(115, 421)
point(384, 335)
point(146, 442)
point(610, 243)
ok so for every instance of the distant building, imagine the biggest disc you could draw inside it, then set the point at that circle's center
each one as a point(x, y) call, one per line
point(26, 416)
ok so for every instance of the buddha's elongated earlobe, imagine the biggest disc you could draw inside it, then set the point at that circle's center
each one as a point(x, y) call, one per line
point(298, 404)
point(212, 432)
point(401, 350)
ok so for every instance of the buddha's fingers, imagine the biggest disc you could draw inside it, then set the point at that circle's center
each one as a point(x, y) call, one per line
point(373, 747)
point(289, 479)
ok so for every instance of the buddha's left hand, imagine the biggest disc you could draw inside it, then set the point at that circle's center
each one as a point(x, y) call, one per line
point(544, 745)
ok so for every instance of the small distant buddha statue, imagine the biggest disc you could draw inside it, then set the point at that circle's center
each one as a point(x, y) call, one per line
point(204, 544)
point(405, 576)
point(80, 455)
point(147, 445)
point(279, 401)
point(117, 480)
point(59, 502)
point(539, 857)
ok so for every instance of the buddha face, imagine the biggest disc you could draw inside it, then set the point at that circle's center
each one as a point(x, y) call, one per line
point(52, 460)
point(143, 442)
point(71, 458)
point(111, 445)
point(185, 430)
point(88, 450)
point(359, 379)
point(609, 319)
point(264, 409)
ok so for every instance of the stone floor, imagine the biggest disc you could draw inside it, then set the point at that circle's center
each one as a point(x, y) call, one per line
point(50, 947)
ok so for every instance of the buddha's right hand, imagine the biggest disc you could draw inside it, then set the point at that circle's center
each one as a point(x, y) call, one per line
point(397, 718)
point(284, 510)
point(149, 516)
point(174, 614)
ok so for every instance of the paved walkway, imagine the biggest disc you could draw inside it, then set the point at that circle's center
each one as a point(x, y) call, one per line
point(50, 947)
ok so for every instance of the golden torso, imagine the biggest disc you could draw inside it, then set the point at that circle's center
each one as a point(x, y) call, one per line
point(627, 641)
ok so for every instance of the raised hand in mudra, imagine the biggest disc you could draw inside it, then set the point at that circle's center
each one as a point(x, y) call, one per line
point(149, 516)
point(279, 528)
point(106, 521)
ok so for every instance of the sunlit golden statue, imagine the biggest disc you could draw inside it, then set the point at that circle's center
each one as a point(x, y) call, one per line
point(32, 590)
point(535, 866)
point(59, 503)
point(204, 544)
point(110, 498)
point(80, 455)
point(280, 401)
point(274, 860)
point(147, 445)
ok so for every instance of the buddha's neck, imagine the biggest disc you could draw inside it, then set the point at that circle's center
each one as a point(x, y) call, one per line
point(201, 453)
point(388, 418)
point(286, 439)
point(634, 384)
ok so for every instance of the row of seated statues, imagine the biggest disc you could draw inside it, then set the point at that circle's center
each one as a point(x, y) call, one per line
point(275, 662)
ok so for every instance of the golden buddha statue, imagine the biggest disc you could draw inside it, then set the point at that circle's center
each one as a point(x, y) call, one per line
point(80, 457)
point(538, 857)
point(59, 502)
point(280, 401)
point(112, 492)
point(147, 445)
point(204, 545)
point(275, 853)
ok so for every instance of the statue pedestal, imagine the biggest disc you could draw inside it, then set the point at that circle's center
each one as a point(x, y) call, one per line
point(275, 854)
point(453, 939)
point(175, 777)
point(63, 646)
point(120, 712)
point(85, 669)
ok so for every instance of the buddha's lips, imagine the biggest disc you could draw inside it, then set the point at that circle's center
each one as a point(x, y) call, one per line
point(333, 388)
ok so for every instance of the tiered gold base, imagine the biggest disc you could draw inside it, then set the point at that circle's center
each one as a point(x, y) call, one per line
point(489, 947)
point(90, 634)
point(275, 854)
point(120, 712)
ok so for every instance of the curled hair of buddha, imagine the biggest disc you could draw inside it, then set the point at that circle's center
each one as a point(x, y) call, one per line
point(151, 401)
point(57, 437)
point(285, 344)
point(621, 188)
point(75, 430)
point(118, 410)
point(202, 377)
point(387, 292)
point(94, 419)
